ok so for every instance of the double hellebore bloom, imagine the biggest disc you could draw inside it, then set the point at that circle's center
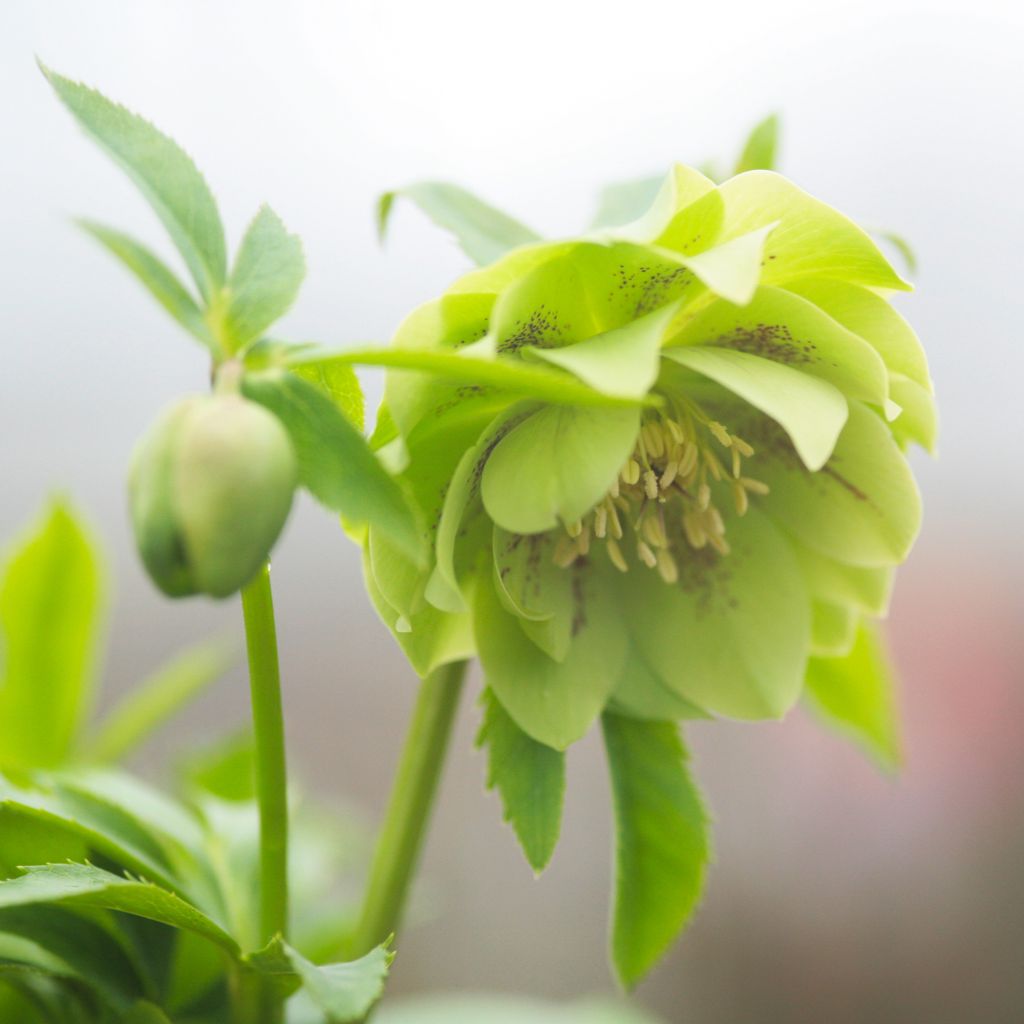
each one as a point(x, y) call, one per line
point(711, 487)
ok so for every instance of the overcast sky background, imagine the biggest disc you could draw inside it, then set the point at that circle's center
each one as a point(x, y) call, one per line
point(906, 115)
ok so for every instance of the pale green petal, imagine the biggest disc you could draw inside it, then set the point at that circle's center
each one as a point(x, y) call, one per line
point(918, 421)
point(856, 695)
point(788, 329)
point(639, 693)
point(554, 702)
point(863, 508)
point(812, 240)
point(833, 629)
point(682, 187)
point(867, 590)
point(873, 318)
point(556, 465)
point(733, 268)
point(732, 635)
point(620, 362)
point(810, 410)
point(497, 276)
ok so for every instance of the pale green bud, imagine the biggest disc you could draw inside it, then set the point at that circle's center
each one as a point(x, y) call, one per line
point(210, 488)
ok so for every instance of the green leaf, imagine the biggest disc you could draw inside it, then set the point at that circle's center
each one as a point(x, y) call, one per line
point(761, 148)
point(157, 699)
point(553, 702)
point(662, 844)
point(624, 201)
point(341, 384)
point(556, 465)
point(902, 246)
point(343, 992)
point(810, 410)
point(51, 605)
point(145, 1013)
point(265, 279)
point(856, 695)
point(471, 1009)
point(156, 276)
point(226, 769)
point(482, 232)
point(530, 778)
point(82, 885)
point(510, 375)
point(162, 171)
point(335, 462)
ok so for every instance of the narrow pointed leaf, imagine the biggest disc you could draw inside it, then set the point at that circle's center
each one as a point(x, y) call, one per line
point(161, 282)
point(529, 776)
point(163, 172)
point(335, 462)
point(856, 695)
point(761, 148)
point(662, 844)
point(51, 604)
point(483, 232)
point(265, 278)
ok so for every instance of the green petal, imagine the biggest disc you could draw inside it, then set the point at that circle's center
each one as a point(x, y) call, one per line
point(810, 410)
point(681, 188)
point(862, 508)
point(733, 269)
point(556, 465)
point(874, 319)
point(867, 590)
point(833, 629)
point(812, 240)
point(554, 702)
point(731, 636)
point(639, 693)
point(619, 362)
point(918, 420)
point(856, 695)
point(788, 329)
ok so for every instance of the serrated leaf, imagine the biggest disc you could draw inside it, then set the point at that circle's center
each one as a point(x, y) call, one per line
point(51, 589)
point(265, 279)
point(662, 844)
point(155, 700)
point(161, 282)
point(483, 232)
point(343, 992)
point(335, 463)
point(760, 150)
point(82, 885)
point(856, 695)
point(530, 778)
point(162, 171)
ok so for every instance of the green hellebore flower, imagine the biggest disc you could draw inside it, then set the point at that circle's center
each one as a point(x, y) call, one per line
point(729, 498)
point(210, 488)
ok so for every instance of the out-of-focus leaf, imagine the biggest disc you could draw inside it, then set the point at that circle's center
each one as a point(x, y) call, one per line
point(265, 279)
point(473, 1009)
point(51, 603)
point(856, 695)
point(162, 171)
point(662, 846)
point(82, 885)
point(335, 462)
point(483, 232)
point(530, 778)
point(145, 1013)
point(161, 282)
point(624, 202)
point(342, 992)
point(157, 699)
point(760, 152)
point(340, 382)
point(226, 770)
point(902, 246)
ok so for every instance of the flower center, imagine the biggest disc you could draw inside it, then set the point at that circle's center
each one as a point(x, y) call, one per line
point(666, 496)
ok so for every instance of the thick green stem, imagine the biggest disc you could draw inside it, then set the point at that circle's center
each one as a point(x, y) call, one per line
point(412, 798)
point(271, 773)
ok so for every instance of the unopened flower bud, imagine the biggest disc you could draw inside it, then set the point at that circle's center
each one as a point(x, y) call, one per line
point(210, 488)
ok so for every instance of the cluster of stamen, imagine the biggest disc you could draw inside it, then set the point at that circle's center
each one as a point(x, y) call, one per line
point(666, 494)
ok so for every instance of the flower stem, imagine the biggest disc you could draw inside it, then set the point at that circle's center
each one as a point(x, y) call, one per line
point(271, 774)
point(412, 797)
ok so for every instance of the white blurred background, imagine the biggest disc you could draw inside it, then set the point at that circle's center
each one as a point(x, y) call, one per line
point(838, 896)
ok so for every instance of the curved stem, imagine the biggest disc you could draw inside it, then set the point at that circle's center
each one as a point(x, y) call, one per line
point(412, 798)
point(271, 773)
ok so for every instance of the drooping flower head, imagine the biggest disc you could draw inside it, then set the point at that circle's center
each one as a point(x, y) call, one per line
point(706, 488)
